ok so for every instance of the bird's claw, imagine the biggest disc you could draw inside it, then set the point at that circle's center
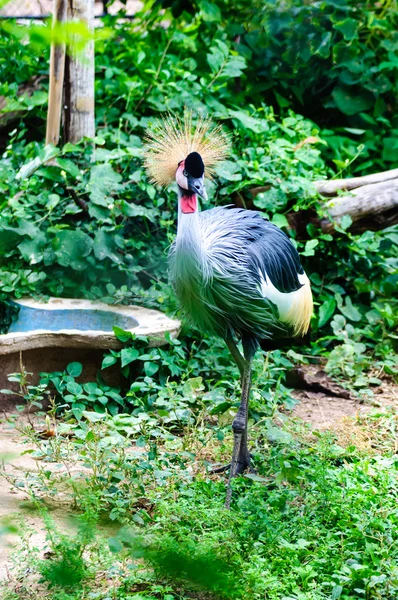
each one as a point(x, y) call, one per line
point(221, 469)
point(241, 467)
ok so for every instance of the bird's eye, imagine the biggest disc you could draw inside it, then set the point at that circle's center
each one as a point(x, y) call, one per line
point(185, 173)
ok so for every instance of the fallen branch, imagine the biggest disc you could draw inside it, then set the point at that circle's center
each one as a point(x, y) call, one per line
point(332, 186)
point(371, 205)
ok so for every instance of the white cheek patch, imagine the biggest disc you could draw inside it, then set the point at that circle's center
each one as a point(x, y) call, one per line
point(181, 179)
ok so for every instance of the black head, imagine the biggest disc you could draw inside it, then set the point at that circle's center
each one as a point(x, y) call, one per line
point(194, 165)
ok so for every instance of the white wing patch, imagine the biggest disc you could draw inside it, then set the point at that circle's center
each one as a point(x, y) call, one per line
point(295, 308)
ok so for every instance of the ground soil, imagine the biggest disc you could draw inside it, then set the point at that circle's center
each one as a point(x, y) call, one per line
point(323, 411)
point(15, 510)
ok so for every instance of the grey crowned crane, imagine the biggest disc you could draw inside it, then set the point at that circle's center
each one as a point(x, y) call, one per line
point(235, 274)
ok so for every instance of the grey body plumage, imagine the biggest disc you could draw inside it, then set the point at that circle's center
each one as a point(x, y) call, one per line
point(217, 265)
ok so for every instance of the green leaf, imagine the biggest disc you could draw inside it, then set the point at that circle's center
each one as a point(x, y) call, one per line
point(71, 248)
point(256, 478)
point(32, 249)
point(8, 240)
point(351, 103)
point(345, 222)
point(74, 369)
point(355, 131)
point(94, 417)
point(390, 149)
point(108, 361)
point(129, 209)
point(115, 545)
point(254, 124)
point(30, 167)
point(234, 68)
point(77, 410)
point(273, 199)
point(336, 592)
point(99, 213)
point(128, 355)
point(229, 170)
point(103, 400)
point(280, 220)
point(69, 166)
point(210, 11)
point(150, 368)
point(105, 246)
point(121, 334)
point(283, 102)
point(217, 56)
point(348, 28)
point(103, 182)
point(350, 311)
point(220, 408)
point(310, 246)
point(326, 311)
point(74, 388)
point(323, 48)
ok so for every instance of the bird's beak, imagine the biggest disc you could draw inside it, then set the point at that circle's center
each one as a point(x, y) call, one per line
point(197, 186)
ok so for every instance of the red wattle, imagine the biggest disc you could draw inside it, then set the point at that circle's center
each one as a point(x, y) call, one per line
point(188, 204)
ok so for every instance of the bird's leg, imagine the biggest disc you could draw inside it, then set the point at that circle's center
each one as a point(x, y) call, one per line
point(244, 454)
point(240, 362)
point(240, 455)
point(236, 355)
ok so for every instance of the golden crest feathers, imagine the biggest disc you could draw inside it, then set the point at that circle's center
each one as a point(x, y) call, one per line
point(170, 140)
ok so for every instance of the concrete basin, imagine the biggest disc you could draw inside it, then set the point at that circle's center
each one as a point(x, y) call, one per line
point(80, 330)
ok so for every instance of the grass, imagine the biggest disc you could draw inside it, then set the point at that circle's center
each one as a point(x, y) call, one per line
point(319, 521)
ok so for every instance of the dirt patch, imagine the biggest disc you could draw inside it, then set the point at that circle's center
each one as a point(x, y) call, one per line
point(15, 510)
point(323, 411)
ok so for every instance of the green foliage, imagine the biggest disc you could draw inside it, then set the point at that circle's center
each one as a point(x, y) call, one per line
point(188, 563)
point(66, 566)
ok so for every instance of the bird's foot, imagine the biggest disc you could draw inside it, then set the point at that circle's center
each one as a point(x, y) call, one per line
point(242, 465)
point(221, 469)
point(238, 466)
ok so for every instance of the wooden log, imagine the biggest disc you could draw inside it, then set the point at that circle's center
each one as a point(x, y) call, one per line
point(371, 207)
point(57, 70)
point(372, 204)
point(375, 204)
point(331, 186)
point(79, 79)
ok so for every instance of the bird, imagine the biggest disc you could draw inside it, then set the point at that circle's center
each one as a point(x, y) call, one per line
point(235, 274)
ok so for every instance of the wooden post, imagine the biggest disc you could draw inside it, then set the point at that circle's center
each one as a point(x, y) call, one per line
point(57, 69)
point(79, 78)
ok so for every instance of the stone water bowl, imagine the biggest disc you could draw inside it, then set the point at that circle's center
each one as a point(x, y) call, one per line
point(46, 336)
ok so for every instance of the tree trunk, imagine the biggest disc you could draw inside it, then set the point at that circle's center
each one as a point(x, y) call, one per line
point(79, 81)
point(57, 70)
